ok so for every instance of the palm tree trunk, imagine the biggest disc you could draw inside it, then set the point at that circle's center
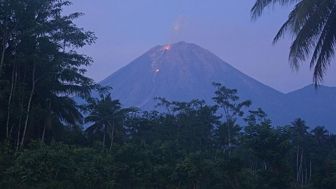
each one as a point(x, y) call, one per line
point(10, 100)
point(19, 129)
point(18, 136)
point(310, 171)
point(300, 169)
point(297, 165)
point(29, 106)
point(112, 134)
point(2, 61)
point(104, 137)
point(47, 122)
point(43, 133)
point(229, 135)
point(306, 175)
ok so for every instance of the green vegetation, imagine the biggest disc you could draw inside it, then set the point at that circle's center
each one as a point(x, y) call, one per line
point(188, 145)
point(40, 69)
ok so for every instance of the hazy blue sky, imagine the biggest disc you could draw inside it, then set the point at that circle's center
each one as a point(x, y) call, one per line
point(127, 28)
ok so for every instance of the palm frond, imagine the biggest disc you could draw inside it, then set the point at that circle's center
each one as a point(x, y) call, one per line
point(260, 5)
point(325, 50)
point(305, 36)
point(312, 23)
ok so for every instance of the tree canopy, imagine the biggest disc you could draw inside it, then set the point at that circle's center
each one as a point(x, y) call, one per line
point(48, 140)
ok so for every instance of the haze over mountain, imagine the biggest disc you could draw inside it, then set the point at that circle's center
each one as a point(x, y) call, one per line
point(185, 71)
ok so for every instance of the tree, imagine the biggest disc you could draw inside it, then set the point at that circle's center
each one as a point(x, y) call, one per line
point(313, 26)
point(105, 115)
point(320, 134)
point(231, 108)
point(40, 67)
point(268, 150)
point(177, 149)
point(300, 137)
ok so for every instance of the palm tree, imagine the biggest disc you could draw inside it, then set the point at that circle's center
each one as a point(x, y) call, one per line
point(60, 110)
point(320, 134)
point(313, 26)
point(299, 136)
point(104, 115)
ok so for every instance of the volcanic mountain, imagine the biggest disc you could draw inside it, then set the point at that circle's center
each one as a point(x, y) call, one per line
point(185, 71)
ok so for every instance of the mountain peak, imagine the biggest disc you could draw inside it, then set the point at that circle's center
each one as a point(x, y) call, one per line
point(179, 71)
point(182, 53)
point(178, 46)
point(183, 60)
point(184, 71)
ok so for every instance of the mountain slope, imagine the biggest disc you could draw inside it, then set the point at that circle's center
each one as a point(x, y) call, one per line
point(316, 105)
point(185, 71)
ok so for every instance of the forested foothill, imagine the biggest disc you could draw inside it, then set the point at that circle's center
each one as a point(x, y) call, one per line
point(50, 141)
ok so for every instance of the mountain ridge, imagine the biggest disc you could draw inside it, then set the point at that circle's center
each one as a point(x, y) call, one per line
point(185, 71)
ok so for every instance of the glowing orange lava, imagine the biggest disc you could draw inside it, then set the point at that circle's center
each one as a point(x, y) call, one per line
point(167, 47)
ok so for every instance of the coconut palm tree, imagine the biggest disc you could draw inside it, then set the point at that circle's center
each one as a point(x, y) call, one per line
point(312, 24)
point(320, 134)
point(105, 116)
point(299, 132)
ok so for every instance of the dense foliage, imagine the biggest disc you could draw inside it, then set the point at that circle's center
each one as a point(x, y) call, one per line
point(190, 145)
point(46, 142)
point(40, 69)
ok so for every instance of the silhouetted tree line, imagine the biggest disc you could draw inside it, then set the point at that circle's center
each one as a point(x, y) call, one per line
point(190, 145)
point(49, 141)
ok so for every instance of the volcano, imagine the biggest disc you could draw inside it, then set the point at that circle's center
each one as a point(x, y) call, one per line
point(185, 71)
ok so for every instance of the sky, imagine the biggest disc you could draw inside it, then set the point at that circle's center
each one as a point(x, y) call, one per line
point(126, 29)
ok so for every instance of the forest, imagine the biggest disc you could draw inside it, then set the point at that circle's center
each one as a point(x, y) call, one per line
point(49, 140)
